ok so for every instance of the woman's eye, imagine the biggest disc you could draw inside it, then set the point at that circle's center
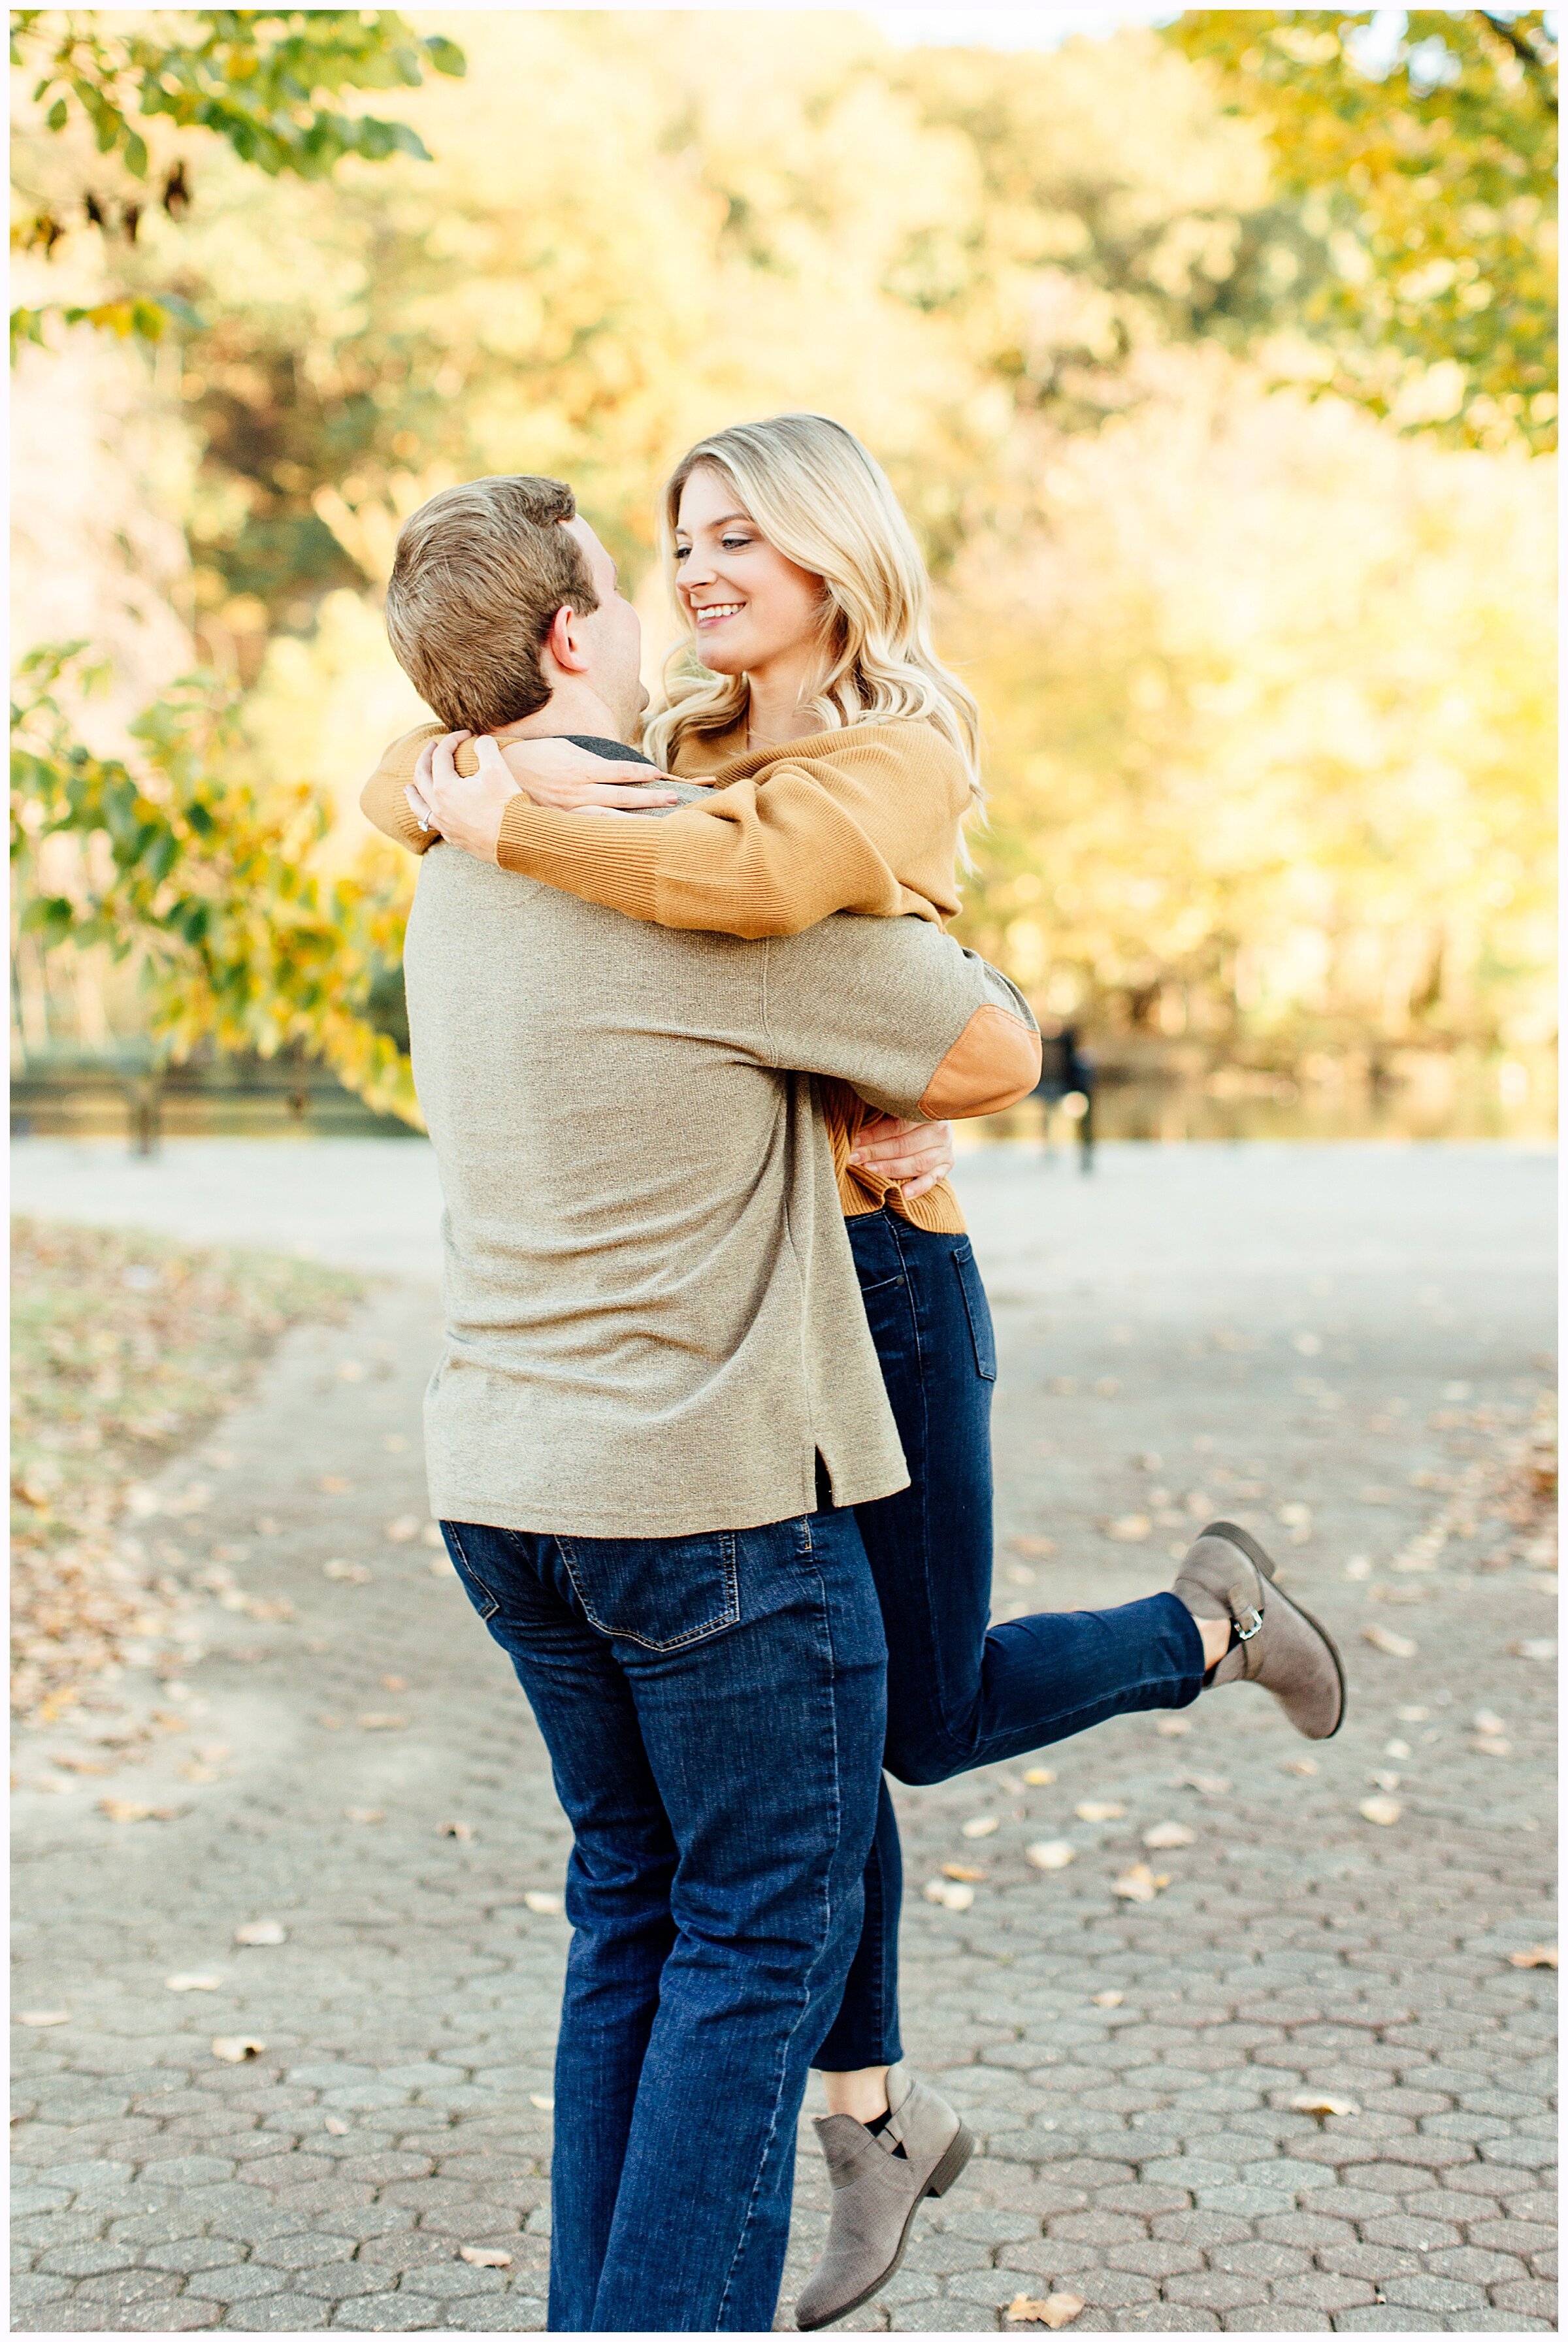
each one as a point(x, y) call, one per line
point(682, 551)
point(735, 544)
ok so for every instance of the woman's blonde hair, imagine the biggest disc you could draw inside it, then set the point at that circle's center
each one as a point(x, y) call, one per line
point(826, 503)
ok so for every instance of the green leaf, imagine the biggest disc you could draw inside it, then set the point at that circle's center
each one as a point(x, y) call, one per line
point(59, 114)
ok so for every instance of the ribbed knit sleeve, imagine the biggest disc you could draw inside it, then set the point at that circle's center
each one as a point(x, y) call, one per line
point(602, 858)
point(382, 800)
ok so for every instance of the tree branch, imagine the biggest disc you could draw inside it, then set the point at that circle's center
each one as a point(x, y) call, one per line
point(1537, 68)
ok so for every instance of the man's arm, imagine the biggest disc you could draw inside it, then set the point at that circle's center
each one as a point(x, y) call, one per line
point(918, 1026)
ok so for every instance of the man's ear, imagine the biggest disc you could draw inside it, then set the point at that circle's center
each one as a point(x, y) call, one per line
point(564, 641)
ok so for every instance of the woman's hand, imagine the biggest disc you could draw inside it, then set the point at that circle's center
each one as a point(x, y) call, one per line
point(575, 780)
point(913, 1155)
point(468, 811)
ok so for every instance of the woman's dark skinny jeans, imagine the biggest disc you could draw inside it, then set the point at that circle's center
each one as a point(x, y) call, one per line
point(961, 1694)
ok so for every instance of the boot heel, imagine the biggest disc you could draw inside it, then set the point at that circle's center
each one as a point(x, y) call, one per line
point(952, 2163)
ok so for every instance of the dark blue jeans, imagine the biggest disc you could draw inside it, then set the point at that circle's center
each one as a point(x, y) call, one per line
point(961, 1692)
point(715, 1712)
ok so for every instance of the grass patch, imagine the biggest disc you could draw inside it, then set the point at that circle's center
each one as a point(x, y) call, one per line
point(126, 1347)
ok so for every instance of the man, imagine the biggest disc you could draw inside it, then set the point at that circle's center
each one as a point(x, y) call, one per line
point(657, 1401)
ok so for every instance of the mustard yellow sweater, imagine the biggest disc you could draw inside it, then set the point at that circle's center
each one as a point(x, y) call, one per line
point(864, 818)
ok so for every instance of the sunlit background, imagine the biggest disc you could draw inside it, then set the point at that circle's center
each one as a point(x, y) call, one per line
point(1211, 354)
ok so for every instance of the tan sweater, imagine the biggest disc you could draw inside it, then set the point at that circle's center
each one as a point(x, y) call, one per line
point(649, 1291)
point(864, 818)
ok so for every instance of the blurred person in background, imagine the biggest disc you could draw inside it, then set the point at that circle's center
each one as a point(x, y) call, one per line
point(838, 760)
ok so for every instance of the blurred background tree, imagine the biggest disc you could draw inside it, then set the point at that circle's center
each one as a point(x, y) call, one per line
point(1264, 669)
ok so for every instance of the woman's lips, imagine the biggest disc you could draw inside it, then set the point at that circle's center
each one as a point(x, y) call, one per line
point(713, 613)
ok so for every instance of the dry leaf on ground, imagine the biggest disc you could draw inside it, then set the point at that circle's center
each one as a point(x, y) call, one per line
point(404, 1529)
point(547, 1906)
point(1139, 1884)
point(1038, 1777)
point(1056, 2310)
point(1539, 1955)
point(1050, 1854)
point(363, 1814)
point(982, 1826)
point(1383, 1810)
point(1385, 1639)
point(333, 1484)
point(191, 1983)
point(1169, 1834)
point(45, 2017)
point(261, 1931)
point(1304, 1767)
point(1099, 1809)
point(1033, 1548)
point(348, 1573)
point(336, 2127)
point(1172, 1727)
point(953, 1895)
point(966, 1872)
point(1320, 2103)
point(384, 1723)
point(236, 2048)
point(483, 2257)
point(125, 1809)
point(1130, 1529)
point(1536, 1647)
point(1109, 2000)
point(1207, 1785)
point(546, 2106)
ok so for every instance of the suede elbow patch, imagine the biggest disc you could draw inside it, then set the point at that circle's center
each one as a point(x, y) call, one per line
point(993, 1063)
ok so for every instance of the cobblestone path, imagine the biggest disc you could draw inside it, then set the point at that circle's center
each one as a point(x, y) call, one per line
point(1327, 1341)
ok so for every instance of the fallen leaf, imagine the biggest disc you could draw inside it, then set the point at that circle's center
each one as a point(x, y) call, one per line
point(483, 2257)
point(1539, 1647)
point(80, 1765)
point(125, 1809)
point(363, 1814)
point(349, 1573)
point(1302, 1766)
point(1359, 1565)
point(1319, 2103)
point(349, 1370)
point(456, 1829)
point(1169, 1834)
point(1033, 1548)
point(1487, 1744)
point(1130, 1529)
point(403, 1529)
point(335, 2126)
point(236, 2048)
point(1109, 2000)
point(1138, 1885)
point(394, 1683)
point(1094, 1810)
point(1056, 2310)
point(546, 2106)
point(965, 1872)
point(547, 1906)
point(185, 1982)
point(1383, 1810)
point(1050, 1854)
point(1172, 1727)
point(1384, 1638)
point(1207, 1785)
point(1539, 1955)
point(1486, 1719)
point(1400, 1749)
point(1038, 1777)
point(202, 1776)
point(261, 1931)
point(982, 1826)
point(384, 1723)
point(268, 1526)
point(953, 1895)
point(45, 2017)
point(332, 1485)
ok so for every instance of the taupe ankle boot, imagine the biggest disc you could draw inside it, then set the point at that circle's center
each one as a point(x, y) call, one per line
point(879, 2179)
point(1277, 1644)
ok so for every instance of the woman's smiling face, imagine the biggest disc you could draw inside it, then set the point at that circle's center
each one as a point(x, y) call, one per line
point(749, 605)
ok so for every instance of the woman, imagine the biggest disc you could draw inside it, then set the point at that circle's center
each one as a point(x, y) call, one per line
point(842, 758)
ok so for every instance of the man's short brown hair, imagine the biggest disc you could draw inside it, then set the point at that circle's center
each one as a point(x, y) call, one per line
point(480, 572)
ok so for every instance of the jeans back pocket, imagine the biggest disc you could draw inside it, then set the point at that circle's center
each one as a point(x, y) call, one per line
point(662, 1592)
point(978, 1310)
